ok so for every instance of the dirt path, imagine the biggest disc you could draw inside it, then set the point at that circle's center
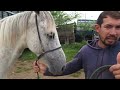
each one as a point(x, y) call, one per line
point(24, 70)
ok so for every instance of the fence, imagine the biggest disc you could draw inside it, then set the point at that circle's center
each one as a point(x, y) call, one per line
point(66, 33)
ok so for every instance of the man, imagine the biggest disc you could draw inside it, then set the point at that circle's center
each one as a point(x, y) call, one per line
point(99, 52)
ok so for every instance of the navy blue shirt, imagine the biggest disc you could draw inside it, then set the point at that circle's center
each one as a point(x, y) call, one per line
point(90, 57)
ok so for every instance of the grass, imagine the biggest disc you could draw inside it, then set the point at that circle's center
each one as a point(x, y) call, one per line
point(21, 69)
point(27, 55)
point(77, 74)
point(72, 49)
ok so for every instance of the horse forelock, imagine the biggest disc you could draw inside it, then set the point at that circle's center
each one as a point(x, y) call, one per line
point(50, 23)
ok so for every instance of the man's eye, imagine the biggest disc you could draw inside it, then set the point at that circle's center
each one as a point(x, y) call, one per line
point(117, 27)
point(108, 26)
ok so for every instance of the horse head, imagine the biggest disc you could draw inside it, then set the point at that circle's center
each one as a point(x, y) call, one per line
point(42, 39)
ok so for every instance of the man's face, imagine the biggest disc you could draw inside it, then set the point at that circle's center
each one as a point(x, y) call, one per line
point(109, 31)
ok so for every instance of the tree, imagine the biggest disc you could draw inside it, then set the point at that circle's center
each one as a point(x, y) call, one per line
point(62, 18)
point(86, 25)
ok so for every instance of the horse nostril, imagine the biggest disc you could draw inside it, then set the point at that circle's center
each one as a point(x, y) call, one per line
point(63, 68)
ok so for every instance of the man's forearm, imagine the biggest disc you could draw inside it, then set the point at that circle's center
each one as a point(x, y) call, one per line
point(71, 67)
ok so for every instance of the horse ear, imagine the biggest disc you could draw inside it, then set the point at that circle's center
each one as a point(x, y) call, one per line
point(37, 12)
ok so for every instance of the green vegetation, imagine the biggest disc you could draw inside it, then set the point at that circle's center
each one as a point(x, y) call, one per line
point(27, 55)
point(62, 18)
point(71, 49)
point(86, 25)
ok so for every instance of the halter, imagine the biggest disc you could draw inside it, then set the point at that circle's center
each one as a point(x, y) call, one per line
point(43, 51)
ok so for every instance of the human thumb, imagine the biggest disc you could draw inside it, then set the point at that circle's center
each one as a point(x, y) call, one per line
point(118, 58)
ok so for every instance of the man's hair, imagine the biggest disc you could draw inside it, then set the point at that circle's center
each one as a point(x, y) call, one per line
point(104, 14)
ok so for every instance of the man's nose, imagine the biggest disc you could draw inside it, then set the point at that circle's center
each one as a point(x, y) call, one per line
point(113, 31)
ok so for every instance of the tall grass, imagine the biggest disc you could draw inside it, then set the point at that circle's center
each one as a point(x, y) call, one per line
point(72, 49)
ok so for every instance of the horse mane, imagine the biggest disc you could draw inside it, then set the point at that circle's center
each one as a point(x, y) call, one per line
point(12, 27)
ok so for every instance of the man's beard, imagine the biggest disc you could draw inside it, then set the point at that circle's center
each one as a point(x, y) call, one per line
point(105, 40)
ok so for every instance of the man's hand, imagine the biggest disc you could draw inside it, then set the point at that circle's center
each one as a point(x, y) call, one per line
point(115, 69)
point(39, 67)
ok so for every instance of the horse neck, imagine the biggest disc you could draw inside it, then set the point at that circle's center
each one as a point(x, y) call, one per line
point(8, 56)
point(5, 56)
point(8, 52)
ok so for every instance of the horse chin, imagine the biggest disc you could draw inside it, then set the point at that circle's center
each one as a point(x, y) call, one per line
point(56, 65)
point(55, 72)
point(56, 69)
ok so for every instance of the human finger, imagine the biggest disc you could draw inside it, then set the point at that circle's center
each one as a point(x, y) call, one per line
point(118, 58)
point(114, 67)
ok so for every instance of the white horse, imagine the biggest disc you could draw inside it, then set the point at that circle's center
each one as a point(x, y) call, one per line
point(35, 30)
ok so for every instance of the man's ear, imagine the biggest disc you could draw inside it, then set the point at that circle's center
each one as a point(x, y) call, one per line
point(37, 12)
point(97, 27)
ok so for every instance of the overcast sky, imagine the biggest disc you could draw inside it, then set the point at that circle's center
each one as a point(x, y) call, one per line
point(93, 15)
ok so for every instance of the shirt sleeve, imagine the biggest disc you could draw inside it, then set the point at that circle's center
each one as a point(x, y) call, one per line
point(74, 65)
point(71, 67)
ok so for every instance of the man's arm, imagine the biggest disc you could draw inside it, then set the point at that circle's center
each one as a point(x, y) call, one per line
point(71, 67)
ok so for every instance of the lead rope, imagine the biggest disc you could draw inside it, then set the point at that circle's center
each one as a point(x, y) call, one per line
point(38, 76)
point(98, 71)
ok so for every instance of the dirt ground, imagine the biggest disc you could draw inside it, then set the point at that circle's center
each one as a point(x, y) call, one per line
point(24, 70)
